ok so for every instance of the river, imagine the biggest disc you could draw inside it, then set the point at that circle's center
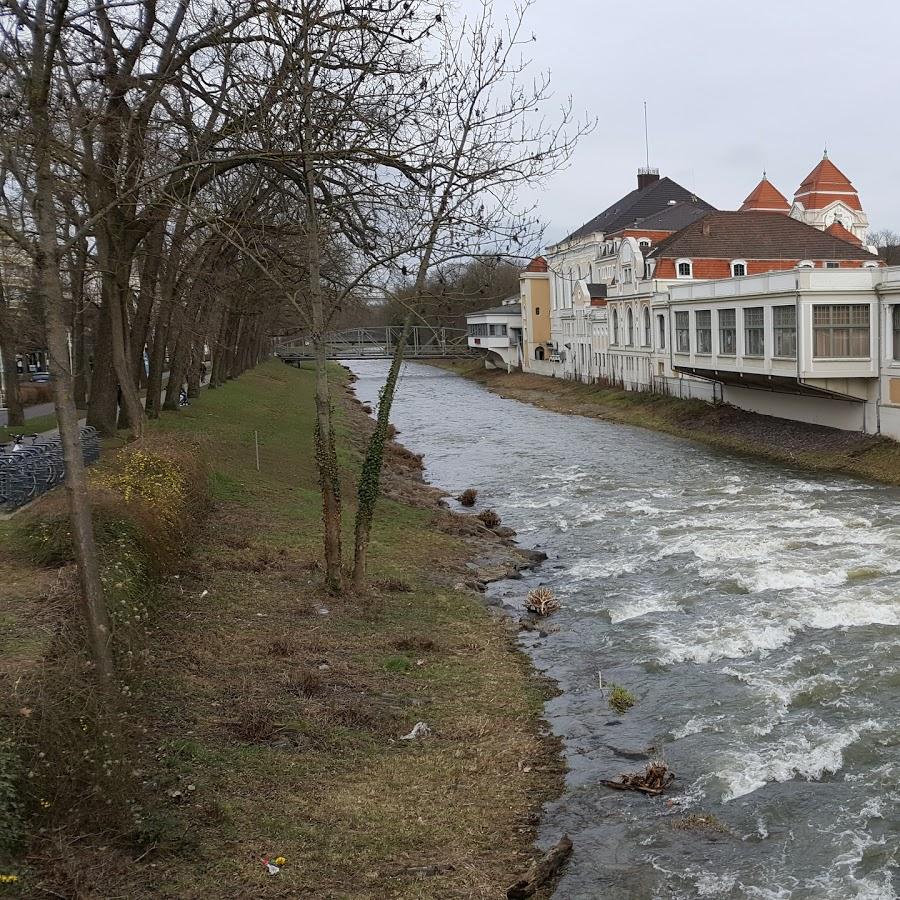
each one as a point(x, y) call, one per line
point(752, 610)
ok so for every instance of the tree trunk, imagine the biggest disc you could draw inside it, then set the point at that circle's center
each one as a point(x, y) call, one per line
point(102, 405)
point(80, 383)
point(55, 317)
point(8, 350)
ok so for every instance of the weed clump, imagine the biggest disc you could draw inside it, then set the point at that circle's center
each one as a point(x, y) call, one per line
point(304, 682)
point(468, 497)
point(490, 517)
point(255, 723)
point(394, 585)
point(620, 699)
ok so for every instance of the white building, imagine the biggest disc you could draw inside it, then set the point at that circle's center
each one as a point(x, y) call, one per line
point(497, 334)
point(814, 345)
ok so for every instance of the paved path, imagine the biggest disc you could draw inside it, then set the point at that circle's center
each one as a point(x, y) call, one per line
point(31, 412)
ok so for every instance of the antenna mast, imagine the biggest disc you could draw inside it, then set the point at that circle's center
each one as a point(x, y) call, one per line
point(646, 135)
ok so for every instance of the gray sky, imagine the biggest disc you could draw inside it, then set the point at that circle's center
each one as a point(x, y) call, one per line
point(732, 88)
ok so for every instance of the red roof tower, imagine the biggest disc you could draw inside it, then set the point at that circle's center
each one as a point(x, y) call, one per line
point(765, 197)
point(827, 184)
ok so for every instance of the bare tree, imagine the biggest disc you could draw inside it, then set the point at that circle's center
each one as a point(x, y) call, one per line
point(481, 154)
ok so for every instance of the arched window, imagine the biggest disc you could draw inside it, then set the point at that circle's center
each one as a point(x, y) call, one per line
point(615, 327)
point(643, 243)
point(629, 328)
point(647, 334)
point(805, 264)
point(738, 268)
point(684, 268)
point(538, 352)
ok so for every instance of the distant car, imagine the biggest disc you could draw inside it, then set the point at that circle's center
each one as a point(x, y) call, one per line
point(40, 378)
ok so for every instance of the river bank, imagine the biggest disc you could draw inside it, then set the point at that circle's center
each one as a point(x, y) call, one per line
point(812, 448)
point(270, 714)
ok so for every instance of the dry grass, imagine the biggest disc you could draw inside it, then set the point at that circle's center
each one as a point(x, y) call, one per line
point(282, 706)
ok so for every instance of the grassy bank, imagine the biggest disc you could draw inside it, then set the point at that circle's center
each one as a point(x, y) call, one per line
point(267, 714)
point(811, 447)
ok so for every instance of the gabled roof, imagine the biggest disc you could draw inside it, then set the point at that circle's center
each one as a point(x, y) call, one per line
point(765, 197)
point(636, 206)
point(755, 235)
point(673, 217)
point(827, 184)
point(838, 231)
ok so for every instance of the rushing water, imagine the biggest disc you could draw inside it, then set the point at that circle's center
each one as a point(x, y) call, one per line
point(754, 612)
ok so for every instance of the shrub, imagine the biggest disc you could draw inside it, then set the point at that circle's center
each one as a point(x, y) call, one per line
point(490, 518)
point(468, 497)
point(620, 699)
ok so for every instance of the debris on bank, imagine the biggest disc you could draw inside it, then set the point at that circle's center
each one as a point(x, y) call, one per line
point(653, 780)
point(541, 601)
point(542, 870)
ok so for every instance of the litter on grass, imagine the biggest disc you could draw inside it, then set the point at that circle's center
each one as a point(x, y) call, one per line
point(420, 729)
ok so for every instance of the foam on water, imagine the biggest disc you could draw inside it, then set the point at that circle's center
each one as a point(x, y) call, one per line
point(809, 754)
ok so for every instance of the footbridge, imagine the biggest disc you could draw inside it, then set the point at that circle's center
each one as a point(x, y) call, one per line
point(380, 342)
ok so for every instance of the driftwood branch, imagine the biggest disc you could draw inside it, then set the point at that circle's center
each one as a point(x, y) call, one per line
point(653, 780)
point(542, 870)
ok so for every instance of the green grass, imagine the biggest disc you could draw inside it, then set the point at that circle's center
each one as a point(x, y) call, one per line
point(326, 783)
point(31, 426)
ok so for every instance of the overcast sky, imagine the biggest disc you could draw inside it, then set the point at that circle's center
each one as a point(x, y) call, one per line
point(732, 88)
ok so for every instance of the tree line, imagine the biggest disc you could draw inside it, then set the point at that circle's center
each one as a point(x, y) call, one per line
point(188, 174)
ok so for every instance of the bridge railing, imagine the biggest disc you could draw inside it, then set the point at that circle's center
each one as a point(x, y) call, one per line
point(422, 342)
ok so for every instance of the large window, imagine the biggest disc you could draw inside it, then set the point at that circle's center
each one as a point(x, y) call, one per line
point(661, 327)
point(841, 331)
point(727, 332)
point(629, 328)
point(615, 326)
point(682, 332)
point(754, 332)
point(784, 329)
point(647, 335)
point(703, 326)
point(895, 325)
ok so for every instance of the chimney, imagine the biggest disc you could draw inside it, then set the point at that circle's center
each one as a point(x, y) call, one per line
point(647, 177)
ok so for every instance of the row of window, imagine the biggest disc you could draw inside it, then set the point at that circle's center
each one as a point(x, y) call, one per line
point(840, 331)
point(628, 337)
point(481, 329)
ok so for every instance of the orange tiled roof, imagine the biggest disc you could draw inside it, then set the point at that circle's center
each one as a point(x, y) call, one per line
point(538, 264)
point(827, 184)
point(836, 229)
point(765, 197)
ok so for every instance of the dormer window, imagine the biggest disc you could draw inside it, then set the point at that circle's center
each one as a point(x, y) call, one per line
point(643, 243)
point(738, 268)
point(805, 264)
point(684, 268)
